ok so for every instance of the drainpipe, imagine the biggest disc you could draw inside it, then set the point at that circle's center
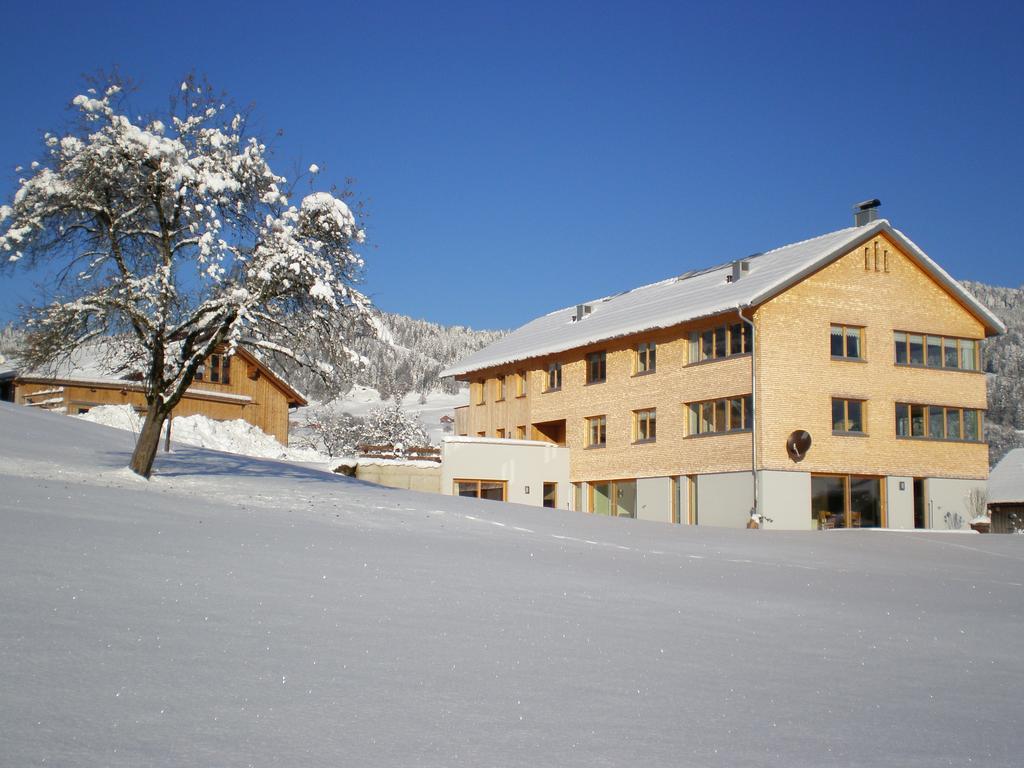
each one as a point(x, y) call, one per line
point(753, 404)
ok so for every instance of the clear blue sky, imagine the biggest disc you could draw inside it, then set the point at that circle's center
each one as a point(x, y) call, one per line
point(519, 157)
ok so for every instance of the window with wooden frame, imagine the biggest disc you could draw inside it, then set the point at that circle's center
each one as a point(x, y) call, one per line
point(597, 431)
point(521, 432)
point(933, 351)
point(520, 383)
point(646, 360)
point(848, 416)
point(478, 389)
point(216, 369)
point(494, 490)
point(720, 342)
point(731, 414)
point(499, 389)
point(613, 497)
point(597, 367)
point(500, 433)
point(847, 342)
point(554, 377)
point(939, 422)
point(645, 425)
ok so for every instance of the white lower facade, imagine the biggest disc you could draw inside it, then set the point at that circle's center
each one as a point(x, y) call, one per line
point(537, 473)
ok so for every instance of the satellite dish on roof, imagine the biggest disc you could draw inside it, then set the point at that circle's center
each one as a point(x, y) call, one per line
point(797, 444)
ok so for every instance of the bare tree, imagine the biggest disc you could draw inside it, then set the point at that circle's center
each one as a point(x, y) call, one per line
point(173, 234)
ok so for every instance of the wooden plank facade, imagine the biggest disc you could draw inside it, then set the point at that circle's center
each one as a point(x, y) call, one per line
point(250, 391)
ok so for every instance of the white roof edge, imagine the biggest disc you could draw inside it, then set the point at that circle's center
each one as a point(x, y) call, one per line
point(856, 236)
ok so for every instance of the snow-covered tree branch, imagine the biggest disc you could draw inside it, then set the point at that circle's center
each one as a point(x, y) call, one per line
point(175, 234)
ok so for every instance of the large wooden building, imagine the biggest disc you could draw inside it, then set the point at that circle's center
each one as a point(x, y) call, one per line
point(237, 386)
point(835, 382)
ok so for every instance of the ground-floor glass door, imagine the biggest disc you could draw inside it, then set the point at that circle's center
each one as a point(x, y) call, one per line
point(846, 501)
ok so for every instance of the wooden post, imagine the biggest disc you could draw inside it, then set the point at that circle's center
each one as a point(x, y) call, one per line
point(167, 439)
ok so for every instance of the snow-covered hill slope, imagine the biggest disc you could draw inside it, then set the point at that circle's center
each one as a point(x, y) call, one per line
point(238, 611)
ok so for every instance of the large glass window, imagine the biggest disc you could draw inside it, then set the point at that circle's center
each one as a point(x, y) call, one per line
point(846, 501)
point(597, 367)
point(614, 497)
point(731, 414)
point(938, 422)
point(936, 351)
point(721, 341)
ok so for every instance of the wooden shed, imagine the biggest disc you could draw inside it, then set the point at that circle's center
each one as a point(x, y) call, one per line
point(1006, 493)
point(237, 386)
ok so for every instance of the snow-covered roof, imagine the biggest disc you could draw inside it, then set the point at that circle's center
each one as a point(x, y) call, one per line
point(1006, 481)
point(701, 293)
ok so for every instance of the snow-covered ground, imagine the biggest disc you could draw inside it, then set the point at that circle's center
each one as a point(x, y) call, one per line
point(240, 611)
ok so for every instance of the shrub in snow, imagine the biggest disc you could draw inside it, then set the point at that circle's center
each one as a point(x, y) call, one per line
point(332, 432)
point(175, 234)
point(390, 425)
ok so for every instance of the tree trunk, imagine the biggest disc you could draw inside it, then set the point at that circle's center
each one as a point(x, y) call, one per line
point(148, 442)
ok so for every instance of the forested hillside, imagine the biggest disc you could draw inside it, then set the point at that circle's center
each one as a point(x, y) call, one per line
point(1004, 363)
point(406, 355)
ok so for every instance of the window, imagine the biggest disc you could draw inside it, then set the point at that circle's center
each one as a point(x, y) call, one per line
point(597, 367)
point(646, 357)
point(499, 389)
point(217, 369)
point(731, 414)
point(847, 416)
point(645, 425)
point(495, 490)
point(500, 433)
point(846, 501)
point(550, 495)
point(554, 376)
point(577, 496)
point(597, 431)
point(716, 343)
point(613, 497)
point(521, 432)
point(521, 384)
point(478, 392)
point(847, 342)
point(938, 422)
point(936, 351)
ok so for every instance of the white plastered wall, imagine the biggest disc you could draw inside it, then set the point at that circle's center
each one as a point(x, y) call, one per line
point(654, 499)
point(947, 507)
point(899, 502)
point(525, 465)
point(724, 499)
point(784, 499)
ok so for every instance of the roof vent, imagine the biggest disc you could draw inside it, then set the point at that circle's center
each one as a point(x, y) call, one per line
point(866, 212)
point(740, 267)
point(582, 310)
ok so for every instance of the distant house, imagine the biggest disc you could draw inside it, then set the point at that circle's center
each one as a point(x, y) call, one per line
point(447, 423)
point(832, 383)
point(1006, 493)
point(237, 386)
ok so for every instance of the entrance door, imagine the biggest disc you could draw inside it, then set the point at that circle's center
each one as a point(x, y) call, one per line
point(920, 504)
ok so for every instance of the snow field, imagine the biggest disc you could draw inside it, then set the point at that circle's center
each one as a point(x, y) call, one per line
point(243, 611)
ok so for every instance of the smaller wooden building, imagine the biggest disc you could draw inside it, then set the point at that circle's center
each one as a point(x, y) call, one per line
point(227, 387)
point(1006, 493)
